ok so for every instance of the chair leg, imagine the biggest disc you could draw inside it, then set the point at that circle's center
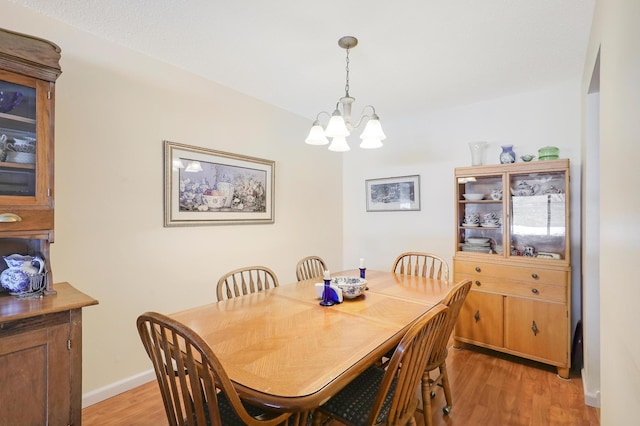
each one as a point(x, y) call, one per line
point(446, 387)
point(426, 398)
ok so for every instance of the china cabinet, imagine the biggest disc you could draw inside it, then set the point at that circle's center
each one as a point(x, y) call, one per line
point(29, 67)
point(512, 241)
point(40, 331)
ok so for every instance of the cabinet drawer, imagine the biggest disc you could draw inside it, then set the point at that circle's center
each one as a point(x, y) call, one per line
point(32, 220)
point(531, 274)
point(539, 291)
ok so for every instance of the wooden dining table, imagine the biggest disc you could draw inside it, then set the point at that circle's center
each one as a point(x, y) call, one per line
point(283, 350)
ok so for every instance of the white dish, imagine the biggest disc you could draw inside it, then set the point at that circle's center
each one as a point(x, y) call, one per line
point(470, 225)
point(544, 255)
point(490, 225)
point(477, 250)
point(473, 197)
point(477, 240)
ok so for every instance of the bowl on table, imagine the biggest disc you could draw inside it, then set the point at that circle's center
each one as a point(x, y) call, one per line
point(351, 287)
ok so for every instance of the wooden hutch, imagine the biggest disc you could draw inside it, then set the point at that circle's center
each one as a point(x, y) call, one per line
point(40, 331)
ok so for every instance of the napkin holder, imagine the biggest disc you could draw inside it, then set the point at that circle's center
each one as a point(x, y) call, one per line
point(336, 292)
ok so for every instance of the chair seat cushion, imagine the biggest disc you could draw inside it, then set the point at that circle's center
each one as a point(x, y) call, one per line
point(353, 403)
point(228, 416)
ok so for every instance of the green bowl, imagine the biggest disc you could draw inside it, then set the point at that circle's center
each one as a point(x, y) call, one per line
point(548, 153)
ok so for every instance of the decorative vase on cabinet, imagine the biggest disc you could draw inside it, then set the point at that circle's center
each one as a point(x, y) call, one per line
point(520, 266)
point(507, 156)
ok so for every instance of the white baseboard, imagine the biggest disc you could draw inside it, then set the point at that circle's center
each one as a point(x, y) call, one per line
point(117, 388)
point(591, 398)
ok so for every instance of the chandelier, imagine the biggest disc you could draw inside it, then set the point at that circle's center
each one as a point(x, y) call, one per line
point(340, 125)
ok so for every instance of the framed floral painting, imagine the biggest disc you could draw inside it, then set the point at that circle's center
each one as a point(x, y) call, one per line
point(208, 187)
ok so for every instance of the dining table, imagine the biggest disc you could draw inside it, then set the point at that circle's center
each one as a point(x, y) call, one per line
point(285, 351)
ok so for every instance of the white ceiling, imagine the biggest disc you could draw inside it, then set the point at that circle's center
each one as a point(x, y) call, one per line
point(412, 54)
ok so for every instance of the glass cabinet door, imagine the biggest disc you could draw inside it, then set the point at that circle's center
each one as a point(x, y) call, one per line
point(18, 138)
point(538, 215)
point(480, 214)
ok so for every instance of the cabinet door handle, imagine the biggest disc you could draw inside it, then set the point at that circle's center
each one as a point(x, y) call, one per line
point(10, 217)
point(534, 328)
point(478, 283)
point(534, 290)
point(477, 315)
point(534, 276)
point(478, 269)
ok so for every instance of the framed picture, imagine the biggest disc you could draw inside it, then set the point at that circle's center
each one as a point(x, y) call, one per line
point(207, 187)
point(393, 194)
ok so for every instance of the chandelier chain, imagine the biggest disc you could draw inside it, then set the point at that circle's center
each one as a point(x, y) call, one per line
point(346, 86)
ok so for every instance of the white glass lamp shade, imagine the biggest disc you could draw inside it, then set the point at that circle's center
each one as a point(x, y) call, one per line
point(373, 130)
point(370, 143)
point(336, 127)
point(316, 135)
point(339, 145)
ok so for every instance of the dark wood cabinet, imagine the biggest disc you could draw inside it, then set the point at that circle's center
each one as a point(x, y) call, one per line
point(41, 358)
point(29, 67)
point(40, 331)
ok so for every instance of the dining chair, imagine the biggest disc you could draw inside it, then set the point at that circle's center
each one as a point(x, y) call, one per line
point(310, 267)
point(389, 396)
point(249, 279)
point(421, 264)
point(195, 388)
point(438, 356)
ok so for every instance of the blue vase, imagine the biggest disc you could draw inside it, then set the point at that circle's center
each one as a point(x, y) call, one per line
point(507, 155)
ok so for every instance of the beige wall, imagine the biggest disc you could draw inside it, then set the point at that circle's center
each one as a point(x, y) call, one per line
point(113, 110)
point(616, 32)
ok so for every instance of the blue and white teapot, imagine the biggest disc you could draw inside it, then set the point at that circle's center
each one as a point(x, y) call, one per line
point(17, 278)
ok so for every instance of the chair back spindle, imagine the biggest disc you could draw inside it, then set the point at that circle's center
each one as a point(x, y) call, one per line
point(241, 281)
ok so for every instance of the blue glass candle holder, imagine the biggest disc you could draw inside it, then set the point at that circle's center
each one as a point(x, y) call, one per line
point(326, 294)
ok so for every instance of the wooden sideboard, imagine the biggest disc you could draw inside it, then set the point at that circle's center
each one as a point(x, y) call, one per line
point(41, 357)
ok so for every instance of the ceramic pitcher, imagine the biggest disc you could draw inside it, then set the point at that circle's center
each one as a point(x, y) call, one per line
point(17, 278)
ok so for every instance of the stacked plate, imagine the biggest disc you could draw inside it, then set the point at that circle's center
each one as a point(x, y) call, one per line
point(477, 245)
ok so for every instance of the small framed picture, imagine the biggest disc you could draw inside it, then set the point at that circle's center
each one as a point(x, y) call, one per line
point(207, 187)
point(393, 194)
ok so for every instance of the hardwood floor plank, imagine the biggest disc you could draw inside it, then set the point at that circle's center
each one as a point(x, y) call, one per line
point(488, 388)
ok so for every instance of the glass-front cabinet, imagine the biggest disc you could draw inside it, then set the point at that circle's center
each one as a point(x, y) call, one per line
point(514, 210)
point(29, 67)
point(26, 154)
point(512, 241)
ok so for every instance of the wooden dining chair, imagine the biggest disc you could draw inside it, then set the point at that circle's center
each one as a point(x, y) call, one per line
point(421, 264)
point(310, 267)
point(389, 396)
point(195, 388)
point(438, 356)
point(249, 279)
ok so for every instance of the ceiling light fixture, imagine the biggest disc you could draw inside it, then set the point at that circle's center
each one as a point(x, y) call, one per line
point(339, 125)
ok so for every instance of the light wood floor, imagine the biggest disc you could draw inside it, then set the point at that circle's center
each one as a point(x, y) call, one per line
point(488, 389)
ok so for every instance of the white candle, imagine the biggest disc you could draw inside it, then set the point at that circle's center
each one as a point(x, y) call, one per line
point(361, 262)
point(327, 276)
